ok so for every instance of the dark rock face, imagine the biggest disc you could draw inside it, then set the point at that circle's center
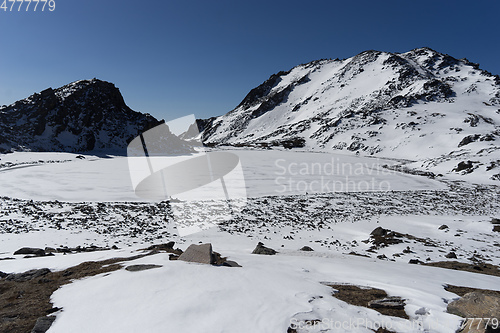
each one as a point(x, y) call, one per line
point(306, 248)
point(83, 116)
point(261, 249)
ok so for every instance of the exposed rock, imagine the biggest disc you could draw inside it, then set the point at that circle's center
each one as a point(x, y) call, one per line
point(392, 302)
point(379, 231)
point(465, 167)
point(306, 248)
point(496, 228)
point(261, 249)
point(142, 267)
point(230, 263)
point(50, 250)
point(443, 227)
point(28, 275)
point(166, 247)
point(415, 261)
point(198, 253)
point(476, 305)
point(43, 324)
point(451, 255)
point(30, 250)
point(3, 274)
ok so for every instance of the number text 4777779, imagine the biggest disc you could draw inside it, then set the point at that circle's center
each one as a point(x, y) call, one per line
point(27, 5)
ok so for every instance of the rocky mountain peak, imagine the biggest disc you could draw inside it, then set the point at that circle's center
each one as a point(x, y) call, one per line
point(83, 116)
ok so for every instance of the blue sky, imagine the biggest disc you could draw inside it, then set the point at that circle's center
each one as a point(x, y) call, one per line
point(174, 58)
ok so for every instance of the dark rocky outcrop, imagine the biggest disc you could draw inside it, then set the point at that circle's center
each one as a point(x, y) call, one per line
point(83, 116)
point(261, 249)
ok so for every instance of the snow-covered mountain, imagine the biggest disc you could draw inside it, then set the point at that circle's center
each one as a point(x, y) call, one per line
point(421, 105)
point(83, 116)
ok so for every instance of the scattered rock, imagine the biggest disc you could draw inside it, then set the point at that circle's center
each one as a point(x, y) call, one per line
point(166, 247)
point(451, 255)
point(173, 256)
point(142, 267)
point(379, 231)
point(261, 249)
point(407, 250)
point(495, 221)
point(50, 250)
point(28, 275)
point(443, 227)
point(465, 167)
point(30, 250)
point(43, 324)
point(306, 248)
point(415, 261)
point(496, 228)
point(198, 253)
point(3, 274)
point(230, 263)
point(392, 302)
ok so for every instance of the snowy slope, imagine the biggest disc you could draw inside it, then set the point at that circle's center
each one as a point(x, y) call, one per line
point(417, 106)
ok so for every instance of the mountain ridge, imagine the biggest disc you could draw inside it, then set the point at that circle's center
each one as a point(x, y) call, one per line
point(420, 105)
point(82, 116)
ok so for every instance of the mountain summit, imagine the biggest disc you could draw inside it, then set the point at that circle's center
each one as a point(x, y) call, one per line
point(417, 105)
point(83, 116)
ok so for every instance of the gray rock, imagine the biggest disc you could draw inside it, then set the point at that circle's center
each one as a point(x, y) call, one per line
point(476, 305)
point(43, 324)
point(379, 231)
point(198, 253)
point(392, 302)
point(30, 250)
point(230, 263)
point(306, 248)
point(28, 275)
point(261, 249)
point(415, 261)
point(451, 255)
point(50, 250)
point(443, 227)
point(137, 268)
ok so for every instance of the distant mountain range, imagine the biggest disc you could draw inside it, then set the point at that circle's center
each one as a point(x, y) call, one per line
point(429, 110)
point(83, 116)
point(421, 106)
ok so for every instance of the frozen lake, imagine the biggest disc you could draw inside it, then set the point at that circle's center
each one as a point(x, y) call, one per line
point(259, 173)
